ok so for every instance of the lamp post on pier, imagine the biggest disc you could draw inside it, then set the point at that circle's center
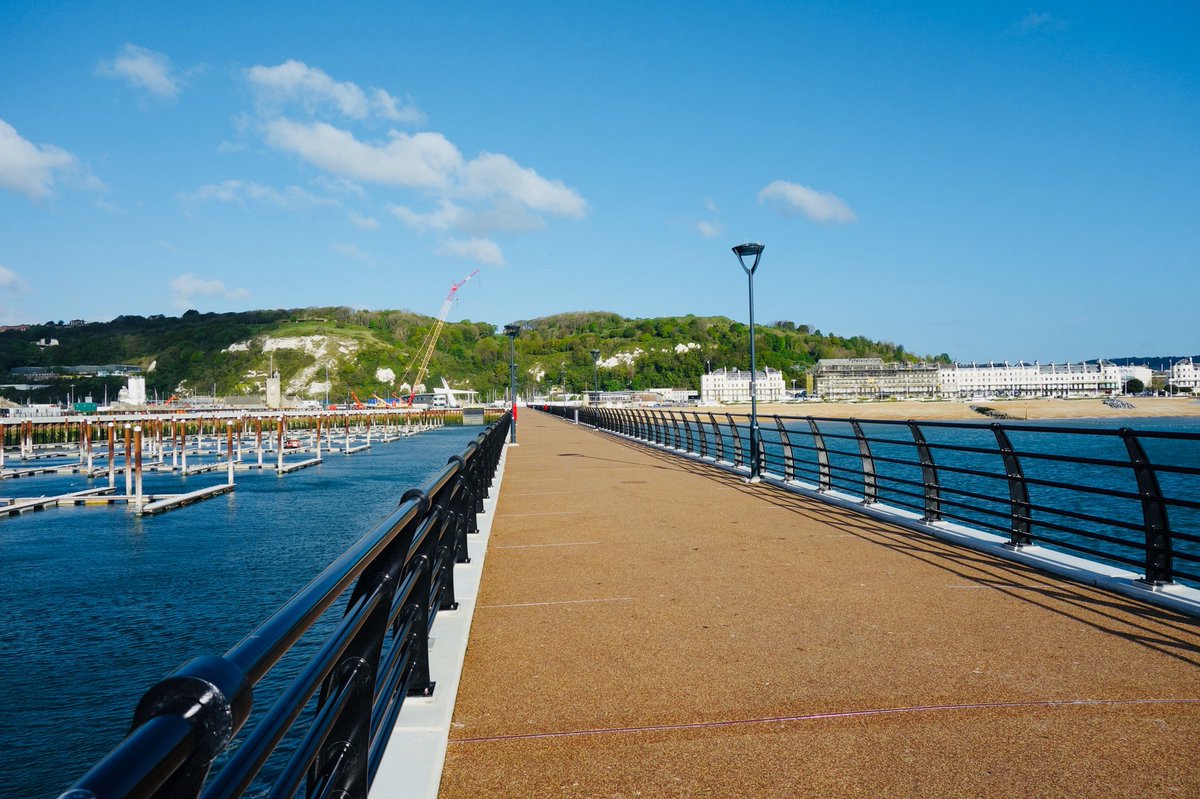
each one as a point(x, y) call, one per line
point(596, 364)
point(511, 330)
point(742, 251)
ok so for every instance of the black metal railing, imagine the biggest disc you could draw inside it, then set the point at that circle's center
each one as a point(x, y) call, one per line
point(338, 711)
point(1120, 496)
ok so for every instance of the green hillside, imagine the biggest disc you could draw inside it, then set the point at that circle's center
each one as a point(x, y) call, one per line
point(368, 352)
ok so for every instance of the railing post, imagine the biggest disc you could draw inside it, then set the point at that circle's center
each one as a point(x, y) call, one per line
point(445, 549)
point(422, 683)
point(1159, 559)
point(870, 485)
point(687, 428)
point(463, 511)
point(929, 476)
point(739, 459)
point(676, 436)
point(824, 476)
point(789, 463)
point(718, 439)
point(1018, 490)
point(701, 435)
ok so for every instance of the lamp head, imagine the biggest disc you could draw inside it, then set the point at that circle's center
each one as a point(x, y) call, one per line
point(512, 330)
point(595, 355)
point(742, 251)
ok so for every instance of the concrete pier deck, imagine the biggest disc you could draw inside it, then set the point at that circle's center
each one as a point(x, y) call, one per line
point(648, 626)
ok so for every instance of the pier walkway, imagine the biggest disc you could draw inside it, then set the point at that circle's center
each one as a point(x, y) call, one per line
point(649, 626)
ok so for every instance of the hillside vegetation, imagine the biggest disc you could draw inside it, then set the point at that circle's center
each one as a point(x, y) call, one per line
point(368, 352)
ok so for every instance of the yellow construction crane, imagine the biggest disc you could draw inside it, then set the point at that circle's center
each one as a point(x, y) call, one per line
point(427, 346)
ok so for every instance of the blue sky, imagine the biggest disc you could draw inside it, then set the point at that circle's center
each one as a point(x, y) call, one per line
point(992, 180)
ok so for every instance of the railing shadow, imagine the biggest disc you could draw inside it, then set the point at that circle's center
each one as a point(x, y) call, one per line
point(1159, 629)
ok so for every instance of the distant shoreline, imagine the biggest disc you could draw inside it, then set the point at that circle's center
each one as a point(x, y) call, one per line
point(953, 410)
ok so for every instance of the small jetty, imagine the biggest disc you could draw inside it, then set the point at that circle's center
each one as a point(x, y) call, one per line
point(125, 448)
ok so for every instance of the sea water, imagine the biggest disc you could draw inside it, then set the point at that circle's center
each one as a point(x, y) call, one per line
point(1120, 544)
point(96, 604)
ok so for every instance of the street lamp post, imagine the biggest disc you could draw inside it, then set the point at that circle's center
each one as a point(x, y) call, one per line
point(511, 331)
point(742, 251)
point(596, 363)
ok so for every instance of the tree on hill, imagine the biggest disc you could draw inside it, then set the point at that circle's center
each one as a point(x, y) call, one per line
point(194, 350)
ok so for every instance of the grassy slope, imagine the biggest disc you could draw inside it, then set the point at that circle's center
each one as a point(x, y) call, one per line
point(189, 351)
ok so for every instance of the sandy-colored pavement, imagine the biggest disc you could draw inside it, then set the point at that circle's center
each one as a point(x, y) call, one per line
point(652, 627)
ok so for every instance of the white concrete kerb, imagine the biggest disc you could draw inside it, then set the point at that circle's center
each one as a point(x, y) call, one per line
point(412, 763)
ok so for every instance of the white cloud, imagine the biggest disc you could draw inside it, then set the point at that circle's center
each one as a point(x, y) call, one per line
point(352, 251)
point(363, 222)
point(817, 206)
point(419, 161)
point(504, 215)
point(295, 81)
point(485, 251)
point(11, 282)
point(711, 206)
point(491, 174)
point(465, 199)
point(31, 168)
point(427, 161)
point(187, 287)
point(708, 230)
point(339, 186)
point(142, 69)
point(447, 216)
point(240, 191)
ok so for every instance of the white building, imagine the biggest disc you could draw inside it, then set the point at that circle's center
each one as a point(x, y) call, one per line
point(1185, 375)
point(1144, 374)
point(733, 385)
point(853, 378)
point(134, 392)
point(671, 396)
point(1030, 380)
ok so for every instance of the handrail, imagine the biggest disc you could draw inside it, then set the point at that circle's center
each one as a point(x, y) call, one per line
point(402, 575)
point(1077, 494)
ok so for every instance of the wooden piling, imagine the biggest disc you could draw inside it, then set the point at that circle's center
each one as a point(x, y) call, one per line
point(229, 448)
point(279, 467)
point(128, 459)
point(112, 455)
point(137, 468)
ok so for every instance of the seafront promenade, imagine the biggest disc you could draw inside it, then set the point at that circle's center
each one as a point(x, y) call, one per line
point(649, 626)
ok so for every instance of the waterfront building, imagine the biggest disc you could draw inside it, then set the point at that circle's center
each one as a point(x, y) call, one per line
point(733, 385)
point(1143, 374)
point(1185, 375)
point(1030, 380)
point(672, 396)
point(871, 378)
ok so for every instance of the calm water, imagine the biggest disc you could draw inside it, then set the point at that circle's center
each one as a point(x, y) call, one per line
point(96, 605)
point(991, 505)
